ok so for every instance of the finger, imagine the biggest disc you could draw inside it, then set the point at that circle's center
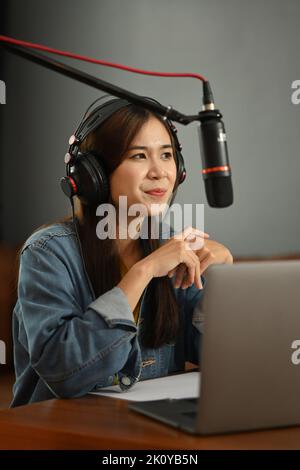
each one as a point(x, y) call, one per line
point(208, 260)
point(194, 234)
point(197, 277)
point(194, 231)
point(190, 276)
point(191, 260)
point(203, 254)
point(198, 280)
point(194, 242)
point(172, 272)
point(188, 231)
point(180, 273)
point(187, 262)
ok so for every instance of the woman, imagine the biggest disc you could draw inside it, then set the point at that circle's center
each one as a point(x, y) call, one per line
point(115, 310)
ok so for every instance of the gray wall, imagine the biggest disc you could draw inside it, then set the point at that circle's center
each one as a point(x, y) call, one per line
point(248, 50)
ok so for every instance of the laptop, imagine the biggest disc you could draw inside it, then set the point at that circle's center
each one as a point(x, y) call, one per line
point(249, 353)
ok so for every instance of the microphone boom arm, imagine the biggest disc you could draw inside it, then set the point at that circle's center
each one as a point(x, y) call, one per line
point(64, 69)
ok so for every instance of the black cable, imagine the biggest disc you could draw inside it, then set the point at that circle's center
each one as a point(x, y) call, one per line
point(80, 249)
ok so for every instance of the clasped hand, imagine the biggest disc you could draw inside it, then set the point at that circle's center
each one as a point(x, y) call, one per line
point(212, 252)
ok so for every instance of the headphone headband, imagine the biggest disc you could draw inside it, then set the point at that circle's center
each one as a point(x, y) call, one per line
point(98, 116)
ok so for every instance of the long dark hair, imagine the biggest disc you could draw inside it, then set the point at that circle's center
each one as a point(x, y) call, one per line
point(111, 140)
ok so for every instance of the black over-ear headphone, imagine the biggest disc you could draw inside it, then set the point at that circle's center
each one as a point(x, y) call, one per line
point(86, 177)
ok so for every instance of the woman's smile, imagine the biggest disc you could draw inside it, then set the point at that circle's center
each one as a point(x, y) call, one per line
point(156, 192)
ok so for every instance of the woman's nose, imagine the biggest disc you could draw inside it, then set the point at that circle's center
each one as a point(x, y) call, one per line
point(156, 170)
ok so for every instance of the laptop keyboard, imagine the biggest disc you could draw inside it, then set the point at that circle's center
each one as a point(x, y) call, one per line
point(191, 400)
point(190, 414)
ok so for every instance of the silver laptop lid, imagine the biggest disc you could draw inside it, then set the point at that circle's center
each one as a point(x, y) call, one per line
point(249, 361)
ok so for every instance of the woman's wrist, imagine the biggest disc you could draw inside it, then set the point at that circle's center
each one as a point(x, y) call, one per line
point(135, 281)
point(144, 268)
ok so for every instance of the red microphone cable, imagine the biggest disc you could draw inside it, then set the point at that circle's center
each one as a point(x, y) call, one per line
point(71, 55)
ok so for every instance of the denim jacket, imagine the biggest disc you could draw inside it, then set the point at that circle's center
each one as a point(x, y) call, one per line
point(68, 343)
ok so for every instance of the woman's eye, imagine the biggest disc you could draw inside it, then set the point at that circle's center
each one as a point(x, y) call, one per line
point(138, 155)
point(168, 154)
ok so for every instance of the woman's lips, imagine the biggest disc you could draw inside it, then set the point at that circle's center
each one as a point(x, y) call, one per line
point(156, 193)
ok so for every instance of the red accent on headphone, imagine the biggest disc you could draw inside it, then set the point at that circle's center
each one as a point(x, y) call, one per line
point(74, 186)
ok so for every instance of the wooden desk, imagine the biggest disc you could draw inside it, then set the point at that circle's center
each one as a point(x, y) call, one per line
point(95, 422)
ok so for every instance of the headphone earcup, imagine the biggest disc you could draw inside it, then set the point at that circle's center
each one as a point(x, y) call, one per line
point(90, 179)
point(181, 171)
point(102, 185)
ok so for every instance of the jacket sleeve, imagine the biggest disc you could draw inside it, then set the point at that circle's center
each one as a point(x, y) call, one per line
point(72, 350)
point(193, 323)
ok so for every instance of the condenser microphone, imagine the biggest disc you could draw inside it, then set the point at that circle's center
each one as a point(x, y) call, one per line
point(216, 170)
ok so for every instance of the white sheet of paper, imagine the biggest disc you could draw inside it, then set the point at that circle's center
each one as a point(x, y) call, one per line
point(184, 385)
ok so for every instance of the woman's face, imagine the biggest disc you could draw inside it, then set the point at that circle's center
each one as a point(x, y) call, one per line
point(149, 165)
